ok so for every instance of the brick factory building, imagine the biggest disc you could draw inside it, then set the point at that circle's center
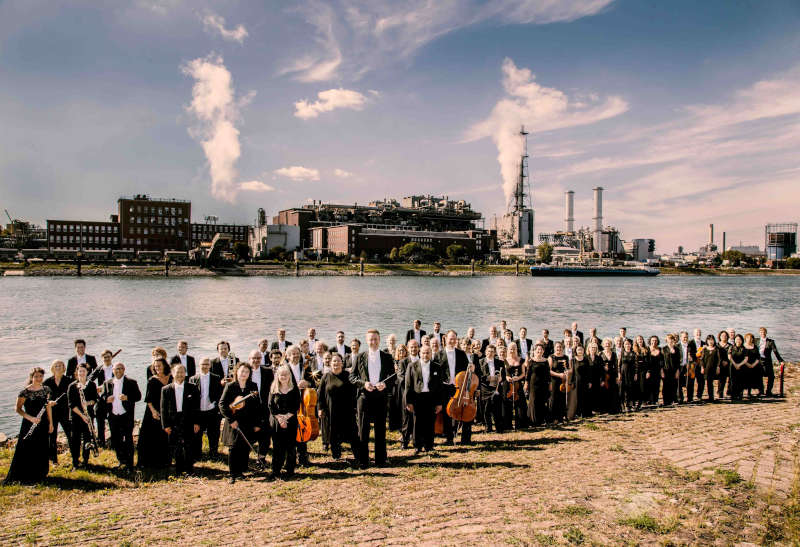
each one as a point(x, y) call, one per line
point(82, 234)
point(205, 232)
point(154, 224)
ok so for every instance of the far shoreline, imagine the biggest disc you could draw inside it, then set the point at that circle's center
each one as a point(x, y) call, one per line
point(322, 269)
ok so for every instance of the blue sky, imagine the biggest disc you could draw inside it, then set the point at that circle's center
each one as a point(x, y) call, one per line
point(686, 113)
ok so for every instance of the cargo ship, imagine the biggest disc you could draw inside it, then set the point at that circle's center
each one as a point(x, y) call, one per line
point(549, 271)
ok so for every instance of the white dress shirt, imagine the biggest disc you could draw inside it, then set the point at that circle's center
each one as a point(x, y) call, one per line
point(205, 394)
point(523, 347)
point(282, 345)
point(108, 373)
point(81, 358)
point(374, 366)
point(296, 372)
point(451, 362)
point(183, 358)
point(685, 353)
point(418, 336)
point(225, 365)
point(426, 375)
point(116, 405)
point(340, 349)
point(320, 362)
point(762, 347)
point(255, 376)
point(179, 396)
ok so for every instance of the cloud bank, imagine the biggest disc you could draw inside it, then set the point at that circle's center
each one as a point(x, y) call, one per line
point(296, 172)
point(329, 100)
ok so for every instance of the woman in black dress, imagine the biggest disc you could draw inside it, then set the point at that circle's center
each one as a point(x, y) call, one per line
point(153, 444)
point(754, 370)
point(610, 378)
point(247, 419)
point(537, 384)
point(595, 369)
point(670, 370)
point(335, 404)
point(724, 376)
point(558, 374)
point(654, 366)
point(515, 375)
point(81, 439)
point(582, 371)
point(627, 370)
point(284, 400)
point(31, 461)
point(709, 361)
point(737, 358)
point(642, 372)
point(58, 384)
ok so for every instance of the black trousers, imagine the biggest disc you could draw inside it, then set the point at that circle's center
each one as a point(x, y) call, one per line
point(263, 437)
point(182, 443)
point(78, 440)
point(122, 437)
point(492, 405)
point(769, 374)
point(407, 428)
point(101, 415)
point(424, 420)
point(722, 378)
point(670, 388)
point(209, 423)
point(284, 447)
point(63, 419)
point(371, 411)
point(700, 381)
point(239, 454)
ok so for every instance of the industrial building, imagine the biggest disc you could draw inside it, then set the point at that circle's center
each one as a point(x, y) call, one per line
point(148, 224)
point(515, 228)
point(780, 240)
point(205, 232)
point(83, 234)
point(264, 237)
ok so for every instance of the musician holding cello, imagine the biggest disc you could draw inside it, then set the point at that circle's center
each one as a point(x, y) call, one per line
point(241, 409)
point(452, 361)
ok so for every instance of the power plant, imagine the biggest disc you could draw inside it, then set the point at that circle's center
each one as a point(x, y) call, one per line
point(515, 228)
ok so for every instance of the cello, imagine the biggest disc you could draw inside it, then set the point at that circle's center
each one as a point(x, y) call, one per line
point(462, 406)
point(307, 421)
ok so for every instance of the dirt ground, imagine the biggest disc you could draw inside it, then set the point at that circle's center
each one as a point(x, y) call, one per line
point(708, 474)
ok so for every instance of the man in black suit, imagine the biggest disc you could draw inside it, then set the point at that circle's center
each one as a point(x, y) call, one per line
point(351, 359)
point(549, 347)
point(524, 344)
point(422, 395)
point(121, 394)
point(209, 387)
point(415, 333)
point(340, 347)
point(100, 376)
point(452, 361)
point(222, 365)
point(491, 340)
point(688, 349)
point(766, 347)
point(374, 378)
point(180, 409)
point(80, 357)
point(281, 343)
point(437, 331)
point(576, 332)
point(407, 424)
point(262, 376)
point(184, 358)
point(492, 375)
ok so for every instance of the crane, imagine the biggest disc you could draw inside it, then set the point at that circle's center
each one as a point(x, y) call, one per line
point(9, 216)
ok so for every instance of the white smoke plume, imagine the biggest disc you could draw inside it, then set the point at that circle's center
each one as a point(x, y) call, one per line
point(540, 109)
point(216, 109)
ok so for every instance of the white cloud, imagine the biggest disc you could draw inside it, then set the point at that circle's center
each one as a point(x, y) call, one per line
point(216, 23)
point(357, 36)
point(255, 186)
point(342, 174)
point(216, 109)
point(329, 100)
point(540, 109)
point(296, 172)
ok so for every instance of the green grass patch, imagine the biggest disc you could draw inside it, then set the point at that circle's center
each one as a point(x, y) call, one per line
point(574, 510)
point(591, 426)
point(727, 476)
point(574, 536)
point(646, 523)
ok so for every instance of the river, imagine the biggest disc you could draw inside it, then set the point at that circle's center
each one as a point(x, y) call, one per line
point(42, 316)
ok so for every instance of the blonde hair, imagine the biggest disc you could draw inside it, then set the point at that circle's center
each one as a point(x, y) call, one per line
point(53, 365)
point(276, 384)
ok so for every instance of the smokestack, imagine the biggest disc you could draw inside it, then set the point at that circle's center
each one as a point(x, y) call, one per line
point(723, 241)
point(569, 211)
point(710, 234)
point(598, 209)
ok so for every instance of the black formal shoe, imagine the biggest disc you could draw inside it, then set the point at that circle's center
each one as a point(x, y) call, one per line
point(271, 477)
point(232, 480)
point(405, 446)
point(449, 442)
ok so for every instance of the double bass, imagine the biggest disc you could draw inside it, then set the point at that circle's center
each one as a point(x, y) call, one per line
point(307, 421)
point(462, 406)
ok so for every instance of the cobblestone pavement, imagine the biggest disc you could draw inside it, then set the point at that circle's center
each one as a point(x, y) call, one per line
point(653, 477)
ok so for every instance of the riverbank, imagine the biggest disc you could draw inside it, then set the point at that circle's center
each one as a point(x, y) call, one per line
point(698, 474)
point(325, 269)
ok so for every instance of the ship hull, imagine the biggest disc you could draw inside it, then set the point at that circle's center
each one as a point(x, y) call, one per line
point(552, 271)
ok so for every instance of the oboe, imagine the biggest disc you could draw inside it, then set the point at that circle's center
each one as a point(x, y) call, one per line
point(92, 432)
point(39, 417)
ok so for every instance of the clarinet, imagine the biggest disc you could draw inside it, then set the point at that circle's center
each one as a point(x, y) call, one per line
point(39, 417)
point(92, 432)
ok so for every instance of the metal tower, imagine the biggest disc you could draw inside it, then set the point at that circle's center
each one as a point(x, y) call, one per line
point(522, 192)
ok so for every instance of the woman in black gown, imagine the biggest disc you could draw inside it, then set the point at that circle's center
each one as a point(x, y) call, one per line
point(670, 370)
point(515, 374)
point(754, 370)
point(31, 461)
point(642, 375)
point(153, 444)
point(610, 382)
point(654, 366)
point(558, 373)
point(595, 370)
point(582, 369)
point(724, 376)
point(630, 385)
point(58, 384)
point(537, 382)
point(284, 400)
point(248, 419)
point(737, 358)
point(336, 399)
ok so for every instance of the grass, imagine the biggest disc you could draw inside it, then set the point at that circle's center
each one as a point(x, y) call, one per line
point(574, 536)
point(574, 510)
point(728, 476)
point(591, 426)
point(646, 523)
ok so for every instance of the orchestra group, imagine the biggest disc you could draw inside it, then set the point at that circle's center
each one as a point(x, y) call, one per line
point(435, 384)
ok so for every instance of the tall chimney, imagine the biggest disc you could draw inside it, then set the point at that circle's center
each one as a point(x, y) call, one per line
point(710, 234)
point(723, 241)
point(569, 211)
point(598, 209)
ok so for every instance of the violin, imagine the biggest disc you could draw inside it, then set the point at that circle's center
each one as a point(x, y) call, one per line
point(307, 421)
point(462, 406)
point(239, 402)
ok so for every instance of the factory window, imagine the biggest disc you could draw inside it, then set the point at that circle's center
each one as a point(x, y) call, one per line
point(138, 241)
point(115, 229)
point(138, 208)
